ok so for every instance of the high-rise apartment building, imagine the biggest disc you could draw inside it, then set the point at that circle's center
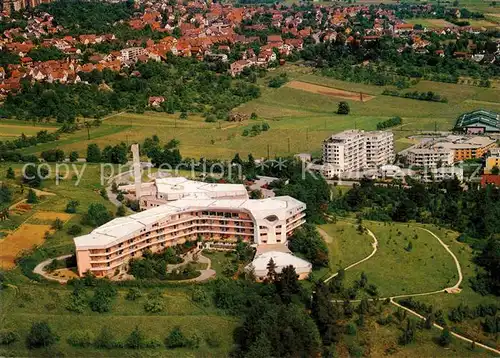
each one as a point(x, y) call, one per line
point(355, 150)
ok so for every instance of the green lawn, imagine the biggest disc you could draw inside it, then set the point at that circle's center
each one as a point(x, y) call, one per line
point(347, 245)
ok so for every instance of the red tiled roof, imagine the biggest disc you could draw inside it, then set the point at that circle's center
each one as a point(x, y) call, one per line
point(490, 179)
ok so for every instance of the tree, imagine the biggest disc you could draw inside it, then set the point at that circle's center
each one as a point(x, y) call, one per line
point(495, 170)
point(136, 339)
point(408, 335)
point(33, 175)
point(271, 271)
point(93, 153)
point(445, 337)
point(176, 339)
point(73, 156)
point(75, 230)
point(57, 224)
point(41, 335)
point(105, 339)
point(96, 215)
point(121, 211)
point(287, 284)
point(10, 173)
point(71, 206)
point(343, 108)
point(32, 198)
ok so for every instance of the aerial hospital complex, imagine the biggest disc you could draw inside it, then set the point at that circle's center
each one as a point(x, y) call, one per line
point(177, 209)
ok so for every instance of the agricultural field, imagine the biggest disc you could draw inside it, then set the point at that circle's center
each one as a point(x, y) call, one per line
point(430, 23)
point(300, 114)
point(11, 129)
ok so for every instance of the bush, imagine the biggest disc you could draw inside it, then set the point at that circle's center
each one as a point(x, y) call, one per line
point(40, 335)
point(343, 108)
point(136, 339)
point(106, 339)
point(445, 338)
point(199, 295)
point(74, 230)
point(153, 305)
point(176, 339)
point(81, 338)
point(133, 294)
point(213, 340)
point(8, 337)
point(71, 206)
point(57, 224)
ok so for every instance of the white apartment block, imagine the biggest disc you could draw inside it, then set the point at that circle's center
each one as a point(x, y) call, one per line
point(429, 157)
point(354, 150)
point(132, 53)
point(379, 148)
point(163, 190)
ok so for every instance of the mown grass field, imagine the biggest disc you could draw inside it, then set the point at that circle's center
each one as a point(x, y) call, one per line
point(299, 120)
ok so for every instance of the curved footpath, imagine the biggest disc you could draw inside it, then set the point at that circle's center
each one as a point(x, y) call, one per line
point(453, 289)
point(40, 269)
point(374, 245)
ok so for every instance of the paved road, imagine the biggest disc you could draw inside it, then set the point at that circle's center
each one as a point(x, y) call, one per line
point(39, 269)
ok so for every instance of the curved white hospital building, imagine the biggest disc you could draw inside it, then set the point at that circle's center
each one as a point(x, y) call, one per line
point(197, 211)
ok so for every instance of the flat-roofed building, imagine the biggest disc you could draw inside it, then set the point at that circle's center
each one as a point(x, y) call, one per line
point(164, 190)
point(492, 161)
point(448, 150)
point(425, 157)
point(354, 150)
point(108, 248)
point(465, 148)
point(379, 148)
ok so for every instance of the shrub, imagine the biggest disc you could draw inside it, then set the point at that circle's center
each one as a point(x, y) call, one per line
point(445, 338)
point(74, 230)
point(213, 340)
point(199, 295)
point(245, 133)
point(106, 339)
point(136, 339)
point(81, 338)
point(176, 339)
point(343, 108)
point(8, 337)
point(133, 294)
point(153, 305)
point(57, 224)
point(40, 335)
point(71, 206)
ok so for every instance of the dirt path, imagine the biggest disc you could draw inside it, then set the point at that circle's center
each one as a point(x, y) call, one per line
point(328, 238)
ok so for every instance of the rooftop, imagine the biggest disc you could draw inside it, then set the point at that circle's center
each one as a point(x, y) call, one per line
point(281, 259)
point(114, 231)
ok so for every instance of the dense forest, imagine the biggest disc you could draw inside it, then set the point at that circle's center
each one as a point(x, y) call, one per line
point(186, 85)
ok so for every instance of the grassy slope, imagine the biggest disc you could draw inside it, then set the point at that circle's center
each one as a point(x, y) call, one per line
point(395, 271)
point(179, 311)
point(299, 120)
